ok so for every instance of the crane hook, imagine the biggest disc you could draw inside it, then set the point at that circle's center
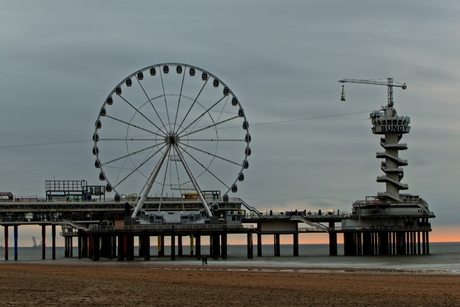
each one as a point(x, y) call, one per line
point(342, 95)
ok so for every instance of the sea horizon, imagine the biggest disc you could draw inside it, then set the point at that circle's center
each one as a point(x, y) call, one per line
point(444, 258)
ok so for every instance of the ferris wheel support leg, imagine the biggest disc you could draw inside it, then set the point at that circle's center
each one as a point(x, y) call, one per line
point(148, 187)
point(194, 183)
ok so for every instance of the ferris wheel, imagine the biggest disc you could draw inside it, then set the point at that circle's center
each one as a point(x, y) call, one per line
point(170, 129)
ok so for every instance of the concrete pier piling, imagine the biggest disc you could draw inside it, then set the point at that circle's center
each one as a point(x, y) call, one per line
point(386, 243)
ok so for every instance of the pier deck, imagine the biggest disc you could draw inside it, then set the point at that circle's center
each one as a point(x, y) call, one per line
point(81, 221)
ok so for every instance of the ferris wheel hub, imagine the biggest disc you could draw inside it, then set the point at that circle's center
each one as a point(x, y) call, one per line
point(172, 139)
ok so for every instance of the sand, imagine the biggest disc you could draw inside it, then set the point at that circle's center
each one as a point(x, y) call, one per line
point(145, 284)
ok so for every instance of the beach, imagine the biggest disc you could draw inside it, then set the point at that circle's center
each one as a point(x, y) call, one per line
point(146, 284)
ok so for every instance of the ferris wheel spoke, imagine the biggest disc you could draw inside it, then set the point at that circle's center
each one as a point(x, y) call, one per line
point(193, 103)
point(205, 169)
point(210, 126)
point(137, 168)
point(222, 109)
point(135, 126)
point(166, 102)
point(163, 185)
point(214, 155)
point(203, 114)
point(140, 113)
point(216, 140)
point(124, 139)
point(120, 170)
point(179, 99)
point(150, 101)
point(132, 154)
point(145, 191)
point(193, 180)
point(173, 166)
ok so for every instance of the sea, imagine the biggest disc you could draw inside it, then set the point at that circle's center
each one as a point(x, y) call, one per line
point(444, 258)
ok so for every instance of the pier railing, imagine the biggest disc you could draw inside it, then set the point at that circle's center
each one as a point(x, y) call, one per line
point(170, 227)
point(380, 228)
point(287, 214)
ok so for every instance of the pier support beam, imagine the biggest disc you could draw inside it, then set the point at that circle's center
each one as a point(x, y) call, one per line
point(224, 245)
point(276, 245)
point(295, 244)
point(192, 241)
point(427, 243)
point(66, 247)
point(401, 243)
point(71, 246)
point(332, 244)
point(160, 245)
point(259, 245)
point(173, 246)
point(359, 243)
point(332, 240)
point(210, 245)
point(141, 245)
point(250, 246)
point(215, 245)
point(95, 243)
point(129, 247)
point(375, 243)
point(121, 247)
point(367, 244)
point(79, 243)
point(90, 247)
point(113, 238)
point(6, 242)
point(383, 242)
point(198, 245)
point(423, 244)
point(53, 242)
point(192, 244)
point(179, 246)
point(43, 242)
point(106, 246)
point(419, 251)
point(350, 243)
point(393, 243)
point(16, 247)
point(410, 243)
point(146, 245)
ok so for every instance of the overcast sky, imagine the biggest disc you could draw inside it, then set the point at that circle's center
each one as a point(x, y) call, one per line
point(60, 59)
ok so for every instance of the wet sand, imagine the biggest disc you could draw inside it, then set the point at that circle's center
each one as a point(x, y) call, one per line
point(145, 284)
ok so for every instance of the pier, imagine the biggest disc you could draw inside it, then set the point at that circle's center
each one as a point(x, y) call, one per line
point(105, 229)
point(389, 223)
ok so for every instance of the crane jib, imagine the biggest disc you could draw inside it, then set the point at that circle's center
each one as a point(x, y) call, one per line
point(389, 83)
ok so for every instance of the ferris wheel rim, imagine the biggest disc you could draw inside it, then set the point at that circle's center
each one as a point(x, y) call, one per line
point(174, 133)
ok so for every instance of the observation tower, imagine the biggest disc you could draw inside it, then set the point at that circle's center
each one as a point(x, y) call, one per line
point(390, 222)
point(386, 122)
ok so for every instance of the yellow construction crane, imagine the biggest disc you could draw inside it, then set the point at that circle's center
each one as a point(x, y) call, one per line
point(389, 83)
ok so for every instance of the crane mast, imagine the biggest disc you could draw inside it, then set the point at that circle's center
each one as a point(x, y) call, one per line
point(389, 83)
